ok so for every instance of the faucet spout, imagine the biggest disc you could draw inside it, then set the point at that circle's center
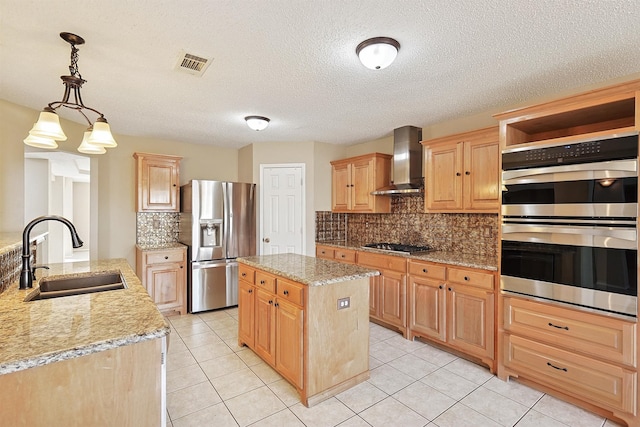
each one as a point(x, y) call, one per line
point(26, 275)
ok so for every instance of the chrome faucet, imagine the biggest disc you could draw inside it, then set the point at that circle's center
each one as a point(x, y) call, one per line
point(27, 275)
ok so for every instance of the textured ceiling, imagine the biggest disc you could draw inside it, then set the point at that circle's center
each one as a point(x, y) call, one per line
point(294, 61)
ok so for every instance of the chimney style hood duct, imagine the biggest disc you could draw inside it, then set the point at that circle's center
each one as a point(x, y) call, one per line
point(407, 163)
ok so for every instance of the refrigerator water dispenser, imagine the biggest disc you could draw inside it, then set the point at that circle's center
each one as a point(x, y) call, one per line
point(210, 233)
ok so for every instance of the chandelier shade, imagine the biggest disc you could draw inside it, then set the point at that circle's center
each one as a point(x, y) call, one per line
point(40, 142)
point(87, 148)
point(47, 130)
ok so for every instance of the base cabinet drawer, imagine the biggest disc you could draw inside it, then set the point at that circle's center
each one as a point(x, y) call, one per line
point(603, 337)
point(600, 383)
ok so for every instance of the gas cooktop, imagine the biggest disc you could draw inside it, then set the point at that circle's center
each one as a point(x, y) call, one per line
point(396, 247)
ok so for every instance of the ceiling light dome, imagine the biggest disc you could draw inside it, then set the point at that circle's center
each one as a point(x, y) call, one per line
point(257, 122)
point(378, 53)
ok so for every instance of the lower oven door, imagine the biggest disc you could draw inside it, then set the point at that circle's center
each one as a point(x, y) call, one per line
point(594, 267)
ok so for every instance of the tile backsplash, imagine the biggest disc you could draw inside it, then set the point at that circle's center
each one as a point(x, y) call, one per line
point(157, 228)
point(408, 224)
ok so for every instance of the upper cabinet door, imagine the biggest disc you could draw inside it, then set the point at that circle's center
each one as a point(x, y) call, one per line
point(362, 178)
point(444, 176)
point(353, 180)
point(481, 175)
point(341, 190)
point(157, 183)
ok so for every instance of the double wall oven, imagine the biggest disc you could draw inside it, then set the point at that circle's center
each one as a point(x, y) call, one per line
point(569, 223)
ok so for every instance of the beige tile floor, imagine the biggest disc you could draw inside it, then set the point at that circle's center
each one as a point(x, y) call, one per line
point(213, 382)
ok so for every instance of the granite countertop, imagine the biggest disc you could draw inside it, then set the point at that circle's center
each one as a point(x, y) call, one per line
point(307, 270)
point(443, 257)
point(161, 246)
point(40, 332)
point(11, 241)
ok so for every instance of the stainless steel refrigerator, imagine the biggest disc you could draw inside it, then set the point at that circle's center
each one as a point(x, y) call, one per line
point(218, 224)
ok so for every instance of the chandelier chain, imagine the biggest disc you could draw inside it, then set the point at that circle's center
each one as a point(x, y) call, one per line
point(73, 67)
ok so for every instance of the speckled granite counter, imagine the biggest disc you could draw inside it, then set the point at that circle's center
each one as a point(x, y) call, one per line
point(308, 270)
point(45, 331)
point(172, 245)
point(11, 241)
point(451, 258)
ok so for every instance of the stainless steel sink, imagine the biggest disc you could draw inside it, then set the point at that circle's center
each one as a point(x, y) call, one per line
point(76, 284)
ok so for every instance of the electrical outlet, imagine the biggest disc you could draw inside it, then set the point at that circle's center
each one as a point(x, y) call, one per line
point(344, 303)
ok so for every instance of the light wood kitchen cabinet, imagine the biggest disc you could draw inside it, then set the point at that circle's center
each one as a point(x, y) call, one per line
point(455, 306)
point(583, 355)
point(163, 274)
point(388, 291)
point(462, 172)
point(299, 331)
point(353, 180)
point(336, 254)
point(157, 182)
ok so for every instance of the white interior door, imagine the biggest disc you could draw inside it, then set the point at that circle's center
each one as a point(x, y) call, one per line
point(282, 202)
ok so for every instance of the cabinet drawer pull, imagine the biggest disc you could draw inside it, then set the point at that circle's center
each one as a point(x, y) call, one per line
point(262, 282)
point(566, 328)
point(244, 274)
point(555, 367)
point(166, 257)
point(466, 278)
point(424, 270)
point(286, 292)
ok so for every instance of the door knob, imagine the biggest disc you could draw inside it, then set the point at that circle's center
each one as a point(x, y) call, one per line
point(266, 240)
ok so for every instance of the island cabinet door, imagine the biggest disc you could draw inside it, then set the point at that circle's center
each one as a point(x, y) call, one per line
point(265, 326)
point(427, 313)
point(289, 341)
point(246, 316)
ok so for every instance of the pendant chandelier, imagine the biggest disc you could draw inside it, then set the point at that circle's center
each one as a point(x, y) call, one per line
point(47, 130)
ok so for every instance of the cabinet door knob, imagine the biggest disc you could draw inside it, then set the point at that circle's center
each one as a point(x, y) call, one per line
point(424, 270)
point(458, 174)
point(270, 301)
point(286, 292)
point(277, 305)
point(244, 274)
point(262, 282)
point(450, 289)
point(174, 185)
point(181, 266)
point(342, 256)
point(467, 173)
point(440, 287)
point(466, 278)
point(250, 291)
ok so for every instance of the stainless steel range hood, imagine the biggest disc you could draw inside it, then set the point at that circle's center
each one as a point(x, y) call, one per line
point(407, 163)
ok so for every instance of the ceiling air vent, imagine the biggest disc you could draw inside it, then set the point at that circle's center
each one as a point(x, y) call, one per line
point(192, 64)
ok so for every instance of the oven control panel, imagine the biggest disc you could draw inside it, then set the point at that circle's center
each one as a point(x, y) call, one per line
point(583, 152)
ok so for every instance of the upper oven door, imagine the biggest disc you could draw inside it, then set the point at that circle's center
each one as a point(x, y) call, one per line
point(603, 189)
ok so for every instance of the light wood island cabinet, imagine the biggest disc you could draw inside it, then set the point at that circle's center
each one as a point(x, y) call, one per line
point(299, 327)
point(462, 172)
point(353, 180)
point(163, 273)
point(157, 182)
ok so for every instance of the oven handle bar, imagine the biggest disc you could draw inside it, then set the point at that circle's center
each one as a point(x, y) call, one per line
point(601, 170)
point(603, 237)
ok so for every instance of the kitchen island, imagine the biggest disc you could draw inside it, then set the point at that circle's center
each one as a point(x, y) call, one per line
point(95, 359)
point(309, 319)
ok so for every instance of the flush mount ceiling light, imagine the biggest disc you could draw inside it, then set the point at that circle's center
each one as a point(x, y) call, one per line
point(377, 53)
point(46, 131)
point(257, 122)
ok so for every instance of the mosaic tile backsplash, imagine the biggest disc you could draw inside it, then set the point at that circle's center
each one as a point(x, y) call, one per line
point(156, 228)
point(408, 224)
